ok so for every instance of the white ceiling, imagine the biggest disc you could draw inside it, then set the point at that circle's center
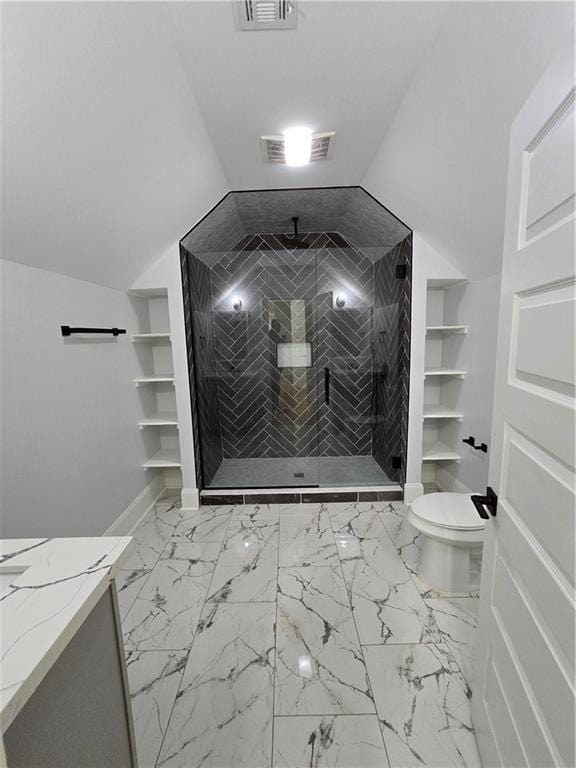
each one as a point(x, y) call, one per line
point(345, 69)
point(123, 123)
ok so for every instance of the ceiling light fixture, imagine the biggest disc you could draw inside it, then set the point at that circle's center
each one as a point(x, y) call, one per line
point(297, 146)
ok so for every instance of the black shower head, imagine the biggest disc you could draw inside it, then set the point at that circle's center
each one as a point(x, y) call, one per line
point(293, 241)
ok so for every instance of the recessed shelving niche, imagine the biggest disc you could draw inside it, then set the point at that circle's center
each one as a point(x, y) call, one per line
point(442, 386)
point(159, 422)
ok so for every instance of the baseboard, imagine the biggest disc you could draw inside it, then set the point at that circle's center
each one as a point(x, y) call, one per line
point(190, 498)
point(412, 491)
point(447, 482)
point(137, 509)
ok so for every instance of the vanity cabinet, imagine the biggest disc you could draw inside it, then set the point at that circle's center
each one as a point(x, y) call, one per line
point(79, 715)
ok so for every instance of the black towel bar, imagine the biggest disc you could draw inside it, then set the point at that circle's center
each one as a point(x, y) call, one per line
point(68, 330)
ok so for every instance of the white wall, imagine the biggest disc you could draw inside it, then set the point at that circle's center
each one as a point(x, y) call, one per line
point(427, 264)
point(443, 161)
point(71, 451)
point(475, 304)
point(105, 156)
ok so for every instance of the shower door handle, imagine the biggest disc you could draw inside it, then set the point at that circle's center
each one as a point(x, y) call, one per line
point(327, 386)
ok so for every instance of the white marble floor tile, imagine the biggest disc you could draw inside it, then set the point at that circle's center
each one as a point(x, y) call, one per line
point(153, 533)
point(387, 606)
point(165, 613)
point(207, 524)
point(457, 620)
point(223, 713)
point(325, 741)
point(319, 666)
point(256, 512)
point(248, 541)
point(423, 705)
point(361, 519)
point(306, 538)
point(247, 569)
point(153, 677)
point(406, 539)
point(128, 586)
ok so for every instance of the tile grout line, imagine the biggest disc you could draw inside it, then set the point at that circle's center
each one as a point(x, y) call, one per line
point(348, 595)
point(275, 646)
point(190, 647)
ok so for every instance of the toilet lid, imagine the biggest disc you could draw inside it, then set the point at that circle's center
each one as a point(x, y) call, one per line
point(448, 510)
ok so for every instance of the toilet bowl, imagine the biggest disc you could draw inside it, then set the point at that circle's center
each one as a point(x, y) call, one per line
point(452, 536)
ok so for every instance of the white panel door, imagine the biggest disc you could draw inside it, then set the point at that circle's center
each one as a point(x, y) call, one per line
point(523, 703)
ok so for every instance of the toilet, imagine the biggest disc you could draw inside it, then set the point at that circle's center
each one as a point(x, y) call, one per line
point(452, 536)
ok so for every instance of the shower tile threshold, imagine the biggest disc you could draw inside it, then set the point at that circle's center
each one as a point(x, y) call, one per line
point(300, 495)
point(300, 472)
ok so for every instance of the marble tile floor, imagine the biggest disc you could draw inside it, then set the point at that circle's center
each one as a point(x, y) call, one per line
point(322, 471)
point(293, 636)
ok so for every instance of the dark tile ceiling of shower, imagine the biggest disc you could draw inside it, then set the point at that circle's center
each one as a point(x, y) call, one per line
point(360, 219)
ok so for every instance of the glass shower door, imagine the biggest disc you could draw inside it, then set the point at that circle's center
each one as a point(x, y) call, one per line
point(289, 299)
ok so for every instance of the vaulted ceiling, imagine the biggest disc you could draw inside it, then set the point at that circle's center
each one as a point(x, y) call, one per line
point(124, 123)
point(344, 68)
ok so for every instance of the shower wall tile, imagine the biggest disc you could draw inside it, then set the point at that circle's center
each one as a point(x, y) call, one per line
point(250, 408)
point(270, 412)
point(202, 367)
point(391, 345)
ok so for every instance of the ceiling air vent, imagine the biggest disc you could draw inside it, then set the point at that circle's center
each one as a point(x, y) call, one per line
point(273, 147)
point(265, 14)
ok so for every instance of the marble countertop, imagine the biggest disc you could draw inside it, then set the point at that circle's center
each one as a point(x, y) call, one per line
point(48, 588)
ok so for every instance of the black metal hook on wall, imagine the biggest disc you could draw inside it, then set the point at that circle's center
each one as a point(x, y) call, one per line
point(472, 442)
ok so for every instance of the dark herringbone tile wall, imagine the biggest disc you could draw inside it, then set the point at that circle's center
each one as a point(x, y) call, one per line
point(391, 345)
point(248, 407)
point(202, 366)
point(272, 412)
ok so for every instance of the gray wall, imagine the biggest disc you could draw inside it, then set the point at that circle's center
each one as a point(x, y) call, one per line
point(71, 450)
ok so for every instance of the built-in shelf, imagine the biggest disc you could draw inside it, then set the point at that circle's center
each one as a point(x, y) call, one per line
point(169, 379)
point(447, 329)
point(441, 412)
point(159, 420)
point(151, 338)
point(438, 452)
point(444, 372)
point(163, 459)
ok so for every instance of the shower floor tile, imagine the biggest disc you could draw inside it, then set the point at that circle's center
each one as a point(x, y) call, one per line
point(323, 471)
point(291, 635)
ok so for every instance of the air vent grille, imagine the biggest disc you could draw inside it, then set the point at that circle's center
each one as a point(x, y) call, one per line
point(273, 147)
point(265, 14)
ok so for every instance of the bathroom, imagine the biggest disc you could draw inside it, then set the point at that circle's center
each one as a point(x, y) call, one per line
point(280, 412)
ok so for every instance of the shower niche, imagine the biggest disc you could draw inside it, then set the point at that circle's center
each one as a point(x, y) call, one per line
point(298, 345)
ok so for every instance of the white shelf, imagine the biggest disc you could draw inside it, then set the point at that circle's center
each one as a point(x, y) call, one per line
point(444, 372)
point(159, 420)
point(438, 452)
point(151, 338)
point(441, 412)
point(446, 329)
point(163, 459)
point(169, 379)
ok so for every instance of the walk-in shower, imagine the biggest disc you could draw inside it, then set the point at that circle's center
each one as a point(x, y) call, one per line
point(298, 349)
